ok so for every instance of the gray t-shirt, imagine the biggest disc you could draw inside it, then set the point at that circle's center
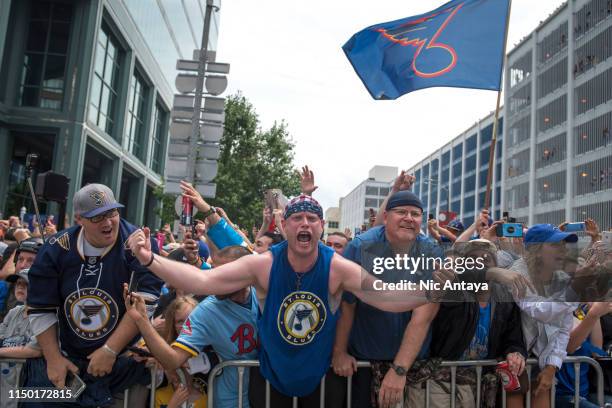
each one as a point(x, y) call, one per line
point(15, 329)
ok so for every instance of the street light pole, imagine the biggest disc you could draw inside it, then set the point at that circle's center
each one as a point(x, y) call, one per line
point(197, 104)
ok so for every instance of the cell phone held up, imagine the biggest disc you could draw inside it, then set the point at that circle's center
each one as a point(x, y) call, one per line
point(509, 230)
point(575, 227)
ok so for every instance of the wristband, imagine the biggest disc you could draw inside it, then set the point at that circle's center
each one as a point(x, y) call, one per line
point(210, 212)
point(150, 260)
point(109, 350)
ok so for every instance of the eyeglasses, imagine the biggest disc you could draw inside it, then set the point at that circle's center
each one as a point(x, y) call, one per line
point(403, 213)
point(101, 217)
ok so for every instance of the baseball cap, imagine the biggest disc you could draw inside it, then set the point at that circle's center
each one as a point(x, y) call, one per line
point(94, 199)
point(23, 274)
point(456, 225)
point(547, 233)
point(464, 248)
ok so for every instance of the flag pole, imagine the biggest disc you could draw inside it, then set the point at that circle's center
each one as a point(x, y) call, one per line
point(487, 202)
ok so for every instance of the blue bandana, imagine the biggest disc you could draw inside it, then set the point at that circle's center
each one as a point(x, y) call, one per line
point(303, 203)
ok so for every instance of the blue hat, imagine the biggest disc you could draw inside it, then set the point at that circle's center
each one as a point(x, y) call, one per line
point(402, 198)
point(456, 224)
point(547, 233)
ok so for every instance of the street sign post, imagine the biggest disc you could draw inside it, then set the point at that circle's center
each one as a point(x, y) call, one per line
point(197, 119)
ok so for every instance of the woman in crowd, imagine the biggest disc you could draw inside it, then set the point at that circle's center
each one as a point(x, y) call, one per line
point(546, 314)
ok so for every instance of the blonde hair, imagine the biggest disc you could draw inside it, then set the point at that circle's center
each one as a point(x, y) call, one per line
point(170, 333)
point(533, 265)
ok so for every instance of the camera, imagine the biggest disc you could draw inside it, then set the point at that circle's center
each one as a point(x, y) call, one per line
point(509, 230)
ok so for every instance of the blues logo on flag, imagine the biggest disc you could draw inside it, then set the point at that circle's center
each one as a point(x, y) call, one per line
point(460, 44)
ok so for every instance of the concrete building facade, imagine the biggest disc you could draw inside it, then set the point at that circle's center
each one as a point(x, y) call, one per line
point(370, 193)
point(558, 154)
point(554, 152)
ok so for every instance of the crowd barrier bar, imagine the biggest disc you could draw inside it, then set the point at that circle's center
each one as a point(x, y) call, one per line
point(126, 393)
point(241, 366)
point(478, 365)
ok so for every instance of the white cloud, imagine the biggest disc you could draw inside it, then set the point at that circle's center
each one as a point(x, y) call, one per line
point(286, 58)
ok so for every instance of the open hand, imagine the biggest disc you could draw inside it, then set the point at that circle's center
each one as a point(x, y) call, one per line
point(307, 181)
point(140, 245)
point(403, 182)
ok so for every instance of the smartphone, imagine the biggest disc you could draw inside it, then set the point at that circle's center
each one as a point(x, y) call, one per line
point(509, 230)
point(75, 384)
point(140, 352)
point(574, 227)
point(430, 217)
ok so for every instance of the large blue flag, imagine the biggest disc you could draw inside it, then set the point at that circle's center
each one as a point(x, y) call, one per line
point(459, 44)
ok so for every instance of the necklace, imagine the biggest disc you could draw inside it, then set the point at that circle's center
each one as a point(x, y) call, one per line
point(298, 280)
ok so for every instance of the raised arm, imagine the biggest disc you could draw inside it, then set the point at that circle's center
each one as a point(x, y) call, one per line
point(218, 281)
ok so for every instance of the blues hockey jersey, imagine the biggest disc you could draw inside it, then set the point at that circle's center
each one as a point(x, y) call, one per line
point(86, 291)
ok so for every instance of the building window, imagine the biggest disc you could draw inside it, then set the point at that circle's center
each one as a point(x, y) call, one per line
point(158, 138)
point(135, 140)
point(44, 63)
point(105, 87)
point(332, 224)
point(593, 134)
point(594, 92)
point(470, 144)
point(371, 202)
point(371, 191)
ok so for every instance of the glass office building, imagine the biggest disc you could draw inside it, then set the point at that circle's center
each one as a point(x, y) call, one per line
point(89, 86)
point(454, 177)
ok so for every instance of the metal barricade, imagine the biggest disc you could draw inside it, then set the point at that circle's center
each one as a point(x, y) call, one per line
point(478, 365)
point(125, 394)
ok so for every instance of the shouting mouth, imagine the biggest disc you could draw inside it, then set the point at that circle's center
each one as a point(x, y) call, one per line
point(304, 238)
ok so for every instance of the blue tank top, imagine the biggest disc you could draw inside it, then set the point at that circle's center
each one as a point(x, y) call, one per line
point(297, 327)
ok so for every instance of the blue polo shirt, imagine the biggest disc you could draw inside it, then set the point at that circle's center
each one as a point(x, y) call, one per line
point(377, 335)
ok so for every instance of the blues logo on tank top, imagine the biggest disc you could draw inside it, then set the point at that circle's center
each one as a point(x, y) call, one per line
point(301, 316)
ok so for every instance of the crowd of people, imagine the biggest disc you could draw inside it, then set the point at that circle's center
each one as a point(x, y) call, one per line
point(112, 304)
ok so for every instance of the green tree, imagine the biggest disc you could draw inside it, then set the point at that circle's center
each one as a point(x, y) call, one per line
point(166, 210)
point(252, 160)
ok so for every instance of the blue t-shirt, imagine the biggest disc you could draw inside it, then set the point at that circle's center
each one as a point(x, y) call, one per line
point(377, 335)
point(203, 250)
point(479, 346)
point(566, 376)
point(230, 329)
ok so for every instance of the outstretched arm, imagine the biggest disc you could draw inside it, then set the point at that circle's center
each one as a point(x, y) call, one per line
point(353, 278)
point(218, 281)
